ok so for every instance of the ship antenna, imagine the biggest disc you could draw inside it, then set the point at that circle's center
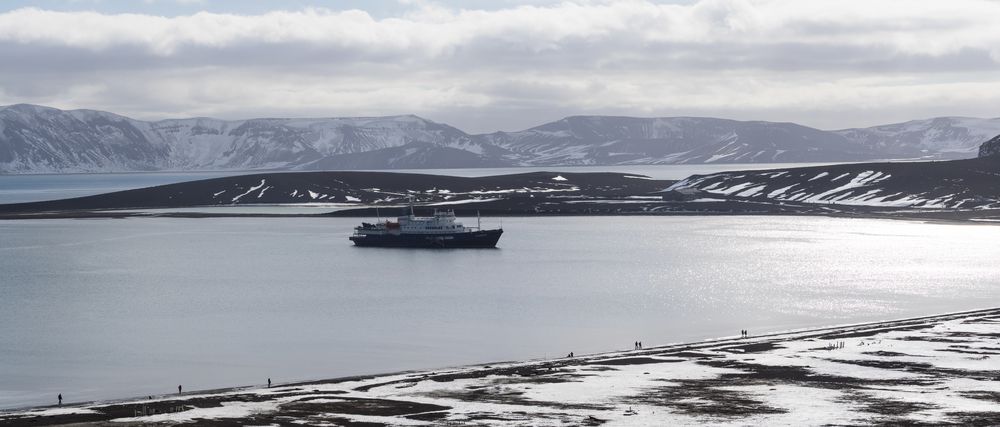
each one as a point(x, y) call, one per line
point(377, 215)
point(479, 222)
point(411, 206)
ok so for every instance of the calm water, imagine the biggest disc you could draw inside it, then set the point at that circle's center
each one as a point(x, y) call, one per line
point(107, 308)
point(32, 188)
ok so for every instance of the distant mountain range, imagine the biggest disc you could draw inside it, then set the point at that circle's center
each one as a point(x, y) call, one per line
point(36, 139)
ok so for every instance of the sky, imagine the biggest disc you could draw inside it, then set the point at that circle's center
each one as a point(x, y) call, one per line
point(484, 66)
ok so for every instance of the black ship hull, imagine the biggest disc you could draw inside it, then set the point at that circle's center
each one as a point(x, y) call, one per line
point(471, 239)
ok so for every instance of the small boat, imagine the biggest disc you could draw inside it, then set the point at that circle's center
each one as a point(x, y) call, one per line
point(438, 231)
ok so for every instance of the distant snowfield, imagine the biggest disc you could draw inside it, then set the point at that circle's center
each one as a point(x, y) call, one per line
point(939, 369)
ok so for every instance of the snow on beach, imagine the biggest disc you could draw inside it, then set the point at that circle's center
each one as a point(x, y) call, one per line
point(938, 369)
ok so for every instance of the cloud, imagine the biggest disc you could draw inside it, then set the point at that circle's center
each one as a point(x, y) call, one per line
point(752, 59)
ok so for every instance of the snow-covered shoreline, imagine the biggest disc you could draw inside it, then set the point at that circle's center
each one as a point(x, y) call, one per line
point(936, 369)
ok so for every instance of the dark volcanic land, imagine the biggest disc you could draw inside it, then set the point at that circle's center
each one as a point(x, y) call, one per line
point(947, 190)
point(511, 194)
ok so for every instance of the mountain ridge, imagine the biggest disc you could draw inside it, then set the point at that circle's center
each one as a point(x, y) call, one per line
point(41, 139)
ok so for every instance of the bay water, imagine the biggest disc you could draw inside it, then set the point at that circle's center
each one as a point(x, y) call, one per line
point(113, 308)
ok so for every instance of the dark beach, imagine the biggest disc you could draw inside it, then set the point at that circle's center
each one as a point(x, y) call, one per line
point(938, 370)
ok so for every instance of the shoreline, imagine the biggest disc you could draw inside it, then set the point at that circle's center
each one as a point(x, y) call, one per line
point(935, 367)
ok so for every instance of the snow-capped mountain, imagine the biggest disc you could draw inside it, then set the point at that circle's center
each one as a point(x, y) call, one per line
point(604, 140)
point(937, 138)
point(36, 139)
point(39, 139)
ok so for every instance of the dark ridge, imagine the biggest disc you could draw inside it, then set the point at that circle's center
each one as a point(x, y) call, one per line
point(372, 188)
point(955, 184)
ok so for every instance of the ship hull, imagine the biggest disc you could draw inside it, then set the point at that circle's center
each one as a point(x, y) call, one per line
point(472, 239)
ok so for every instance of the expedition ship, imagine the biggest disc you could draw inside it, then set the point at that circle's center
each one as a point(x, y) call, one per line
point(438, 231)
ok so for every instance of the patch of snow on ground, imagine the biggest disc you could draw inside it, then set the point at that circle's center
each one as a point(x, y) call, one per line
point(752, 191)
point(822, 174)
point(559, 178)
point(733, 189)
point(522, 190)
point(263, 190)
point(60, 411)
point(858, 181)
point(352, 199)
point(227, 410)
point(611, 201)
point(459, 202)
point(252, 189)
point(779, 192)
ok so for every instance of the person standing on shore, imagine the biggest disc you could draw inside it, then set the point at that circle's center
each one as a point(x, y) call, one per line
point(178, 389)
point(60, 399)
point(268, 383)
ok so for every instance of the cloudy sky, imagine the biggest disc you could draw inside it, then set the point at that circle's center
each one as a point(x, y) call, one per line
point(507, 65)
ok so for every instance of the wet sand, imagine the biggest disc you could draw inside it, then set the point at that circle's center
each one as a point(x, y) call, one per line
point(935, 370)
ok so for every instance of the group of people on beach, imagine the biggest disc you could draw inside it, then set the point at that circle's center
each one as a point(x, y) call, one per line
point(744, 333)
point(638, 345)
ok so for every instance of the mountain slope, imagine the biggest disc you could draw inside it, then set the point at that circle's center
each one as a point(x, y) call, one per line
point(35, 139)
point(941, 138)
point(583, 140)
point(40, 139)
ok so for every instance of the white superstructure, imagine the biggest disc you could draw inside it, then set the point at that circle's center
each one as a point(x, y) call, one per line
point(442, 222)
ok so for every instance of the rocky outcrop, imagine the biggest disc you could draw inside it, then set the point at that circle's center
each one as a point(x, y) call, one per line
point(990, 148)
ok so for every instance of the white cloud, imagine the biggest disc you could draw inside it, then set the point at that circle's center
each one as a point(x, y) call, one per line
point(808, 60)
